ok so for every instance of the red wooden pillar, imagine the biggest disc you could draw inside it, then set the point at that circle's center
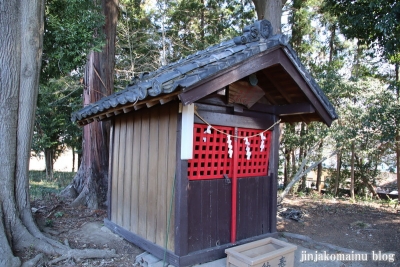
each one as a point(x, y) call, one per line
point(234, 186)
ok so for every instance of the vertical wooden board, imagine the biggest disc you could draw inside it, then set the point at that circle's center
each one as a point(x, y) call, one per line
point(256, 202)
point(128, 173)
point(110, 169)
point(224, 202)
point(264, 205)
point(257, 229)
point(114, 186)
point(247, 208)
point(213, 211)
point(206, 214)
point(135, 161)
point(143, 167)
point(195, 216)
point(242, 209)
point(162, 177)
point(152, 176)
point(273, 172)
point(172, 159)
point(121, 171)
point(209, 213)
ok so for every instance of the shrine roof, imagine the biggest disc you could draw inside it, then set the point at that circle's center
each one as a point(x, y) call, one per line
point(256, 54)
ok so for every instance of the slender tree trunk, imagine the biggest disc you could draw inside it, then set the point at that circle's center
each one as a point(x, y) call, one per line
point(73, 160)
point(319, 175)
point(270, 10)
point(352, 171)
point(319, 170)
point(337, 178)
point(332, 42)
point(293, 161)
point(49, 162)
point(302, 187)
point(398, 163)
point(397, 138)
point(91, 180)
point(202, 30)
point(161, 6)
point(286, 168)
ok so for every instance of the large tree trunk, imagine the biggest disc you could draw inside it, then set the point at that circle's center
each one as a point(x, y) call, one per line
point(270, 10)
point(21, 25)
point(91, 179)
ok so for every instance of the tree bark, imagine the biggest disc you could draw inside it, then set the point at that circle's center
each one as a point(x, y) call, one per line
point(352, 171)
point(332, 37)
point(319, 170)
point(319, 174)
point(397, 138)
point(286, 168)
point(337, 178)
point(398, 163)
point(73, 159)
point(49, 162)
point(21, 25)
point(91, 179)
point(270, 10)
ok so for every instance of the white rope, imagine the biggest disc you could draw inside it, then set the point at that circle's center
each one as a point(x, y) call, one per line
point(251, 136)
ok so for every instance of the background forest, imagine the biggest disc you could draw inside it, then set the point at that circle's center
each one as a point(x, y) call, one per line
point(352, 51)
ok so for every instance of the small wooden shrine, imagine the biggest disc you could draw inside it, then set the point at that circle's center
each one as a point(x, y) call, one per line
point(194, 145)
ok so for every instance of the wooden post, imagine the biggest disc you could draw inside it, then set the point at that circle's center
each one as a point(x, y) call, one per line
point(273, 174)
point(181, 198)
point(234, 187)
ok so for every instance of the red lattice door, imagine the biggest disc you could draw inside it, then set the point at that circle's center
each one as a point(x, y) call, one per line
point(211, 158)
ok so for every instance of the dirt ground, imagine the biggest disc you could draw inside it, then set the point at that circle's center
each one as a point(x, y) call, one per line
point(83, 229)
point(363, 227)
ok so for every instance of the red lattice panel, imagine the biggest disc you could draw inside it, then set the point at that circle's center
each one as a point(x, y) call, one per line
point(257, 165)
point(211, 160)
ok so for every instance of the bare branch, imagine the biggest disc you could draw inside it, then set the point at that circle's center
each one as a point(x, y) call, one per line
point(301, 173)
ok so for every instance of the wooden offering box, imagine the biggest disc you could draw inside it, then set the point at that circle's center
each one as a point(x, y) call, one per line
point(268, 252)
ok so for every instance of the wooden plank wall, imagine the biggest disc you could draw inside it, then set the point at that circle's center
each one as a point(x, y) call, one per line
point(209, 208)
point(143, 172)
point(209, 211)
point(253, 212)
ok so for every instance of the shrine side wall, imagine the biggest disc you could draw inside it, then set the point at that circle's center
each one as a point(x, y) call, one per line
point(142, 168)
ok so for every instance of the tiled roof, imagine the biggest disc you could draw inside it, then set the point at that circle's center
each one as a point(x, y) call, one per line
point(201, 65)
